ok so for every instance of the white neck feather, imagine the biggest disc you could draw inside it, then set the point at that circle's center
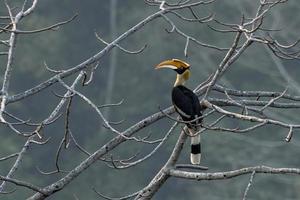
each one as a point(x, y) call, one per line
point(179, 80)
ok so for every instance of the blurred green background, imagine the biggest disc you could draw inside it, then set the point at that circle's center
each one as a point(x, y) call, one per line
point(144, 90)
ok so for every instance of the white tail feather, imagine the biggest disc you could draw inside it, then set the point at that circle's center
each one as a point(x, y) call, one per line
point(195, 159)
point(196, 156)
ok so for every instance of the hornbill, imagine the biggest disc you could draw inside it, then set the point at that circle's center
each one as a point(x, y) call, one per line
point(186, 104)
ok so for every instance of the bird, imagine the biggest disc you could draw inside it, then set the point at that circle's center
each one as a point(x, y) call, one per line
point(186, 104)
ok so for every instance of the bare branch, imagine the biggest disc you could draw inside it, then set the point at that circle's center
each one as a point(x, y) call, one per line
point(230, 57)
point(111, 198)
point(235, 130)
point(22, 183)
point(231, 174)
point(86, 82)
point(122, 48)
point(106, 123)
point(52, 70)
point(17, 163)
point(289, 135)
point(175, 29)
point(196, 18)
point(130, 164)
point(53, 116)
point(148, 191)
point(101, 53)
point(241, 93)
point(67, 122)
point(186, 46)
point(53, 27)
point(226, 102)
point(8, 192)
point(111, 104)
point(9, 156)
point(100, 153)
point(249, 185)
point(250, 118)
point(273, 100)
point(8, 70)
point(84, 64)
point(250, 104)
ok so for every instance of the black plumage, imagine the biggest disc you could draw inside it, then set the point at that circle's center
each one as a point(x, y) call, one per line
point(187, 105)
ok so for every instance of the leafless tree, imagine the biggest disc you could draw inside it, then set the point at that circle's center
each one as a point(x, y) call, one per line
point(247, 105)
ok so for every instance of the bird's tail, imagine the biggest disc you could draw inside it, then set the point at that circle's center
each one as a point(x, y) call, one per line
point(195, 149)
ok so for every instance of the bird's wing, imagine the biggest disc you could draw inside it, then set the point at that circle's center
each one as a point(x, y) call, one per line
point(186, 103)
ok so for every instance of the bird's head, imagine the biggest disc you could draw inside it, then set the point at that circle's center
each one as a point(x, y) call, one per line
point(182, 69)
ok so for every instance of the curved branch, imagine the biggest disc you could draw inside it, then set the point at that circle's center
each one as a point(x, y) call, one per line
point(60, 184)
point(85, 64)
point(52, 27)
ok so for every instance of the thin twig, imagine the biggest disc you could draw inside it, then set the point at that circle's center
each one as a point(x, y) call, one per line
point(111, 198)
point(52, 27)
point(248, 186)
point(9, 156)
point(23, 184)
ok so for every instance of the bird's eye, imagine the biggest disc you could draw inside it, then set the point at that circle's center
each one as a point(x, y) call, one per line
point(180, 70)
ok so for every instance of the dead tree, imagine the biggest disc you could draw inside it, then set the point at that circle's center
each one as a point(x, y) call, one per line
point(249, 31)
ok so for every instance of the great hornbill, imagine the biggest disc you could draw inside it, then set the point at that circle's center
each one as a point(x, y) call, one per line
point(186, 104)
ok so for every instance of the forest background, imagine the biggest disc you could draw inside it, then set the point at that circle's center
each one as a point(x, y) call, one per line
point(143, 90)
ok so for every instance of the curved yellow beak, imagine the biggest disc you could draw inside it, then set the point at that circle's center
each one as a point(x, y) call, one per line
point(172, 64)
point(166, 64)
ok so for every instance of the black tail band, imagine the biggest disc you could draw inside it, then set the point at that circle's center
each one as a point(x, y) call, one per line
point(196, 148)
